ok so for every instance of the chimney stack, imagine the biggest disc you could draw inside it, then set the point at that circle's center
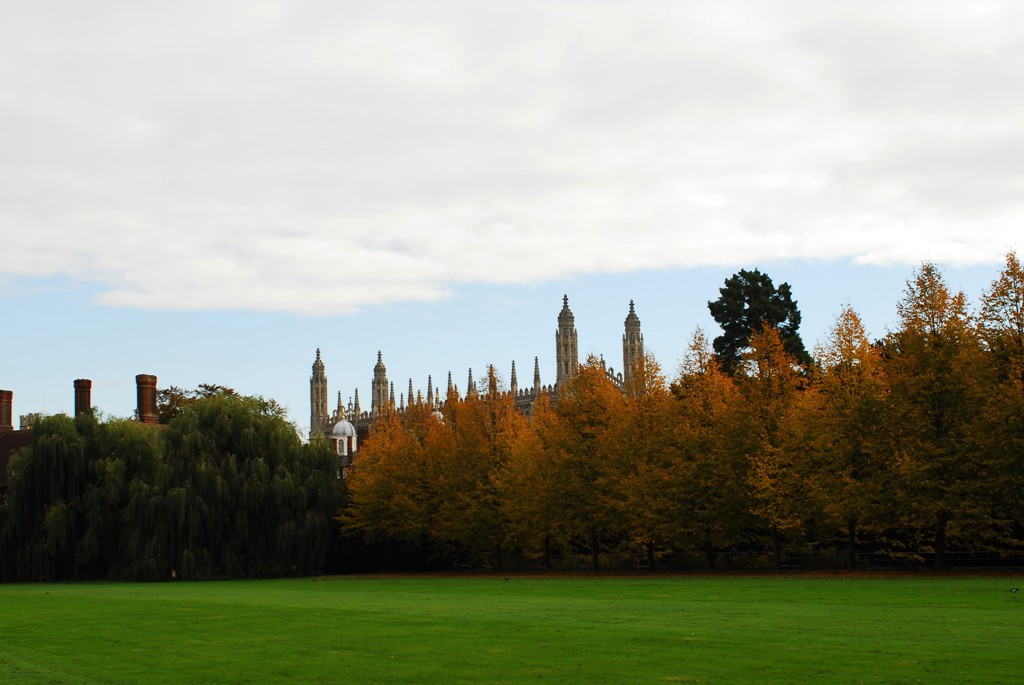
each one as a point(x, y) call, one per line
point(6, 403)
point(145, 386)
point(83, 396)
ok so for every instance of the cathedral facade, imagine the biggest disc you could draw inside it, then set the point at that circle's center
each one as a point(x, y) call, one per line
point(347, 423)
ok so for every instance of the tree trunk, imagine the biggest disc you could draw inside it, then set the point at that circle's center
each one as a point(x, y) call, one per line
point(547, 551)
point(777, 548)
point(709, 554)
point(940, 540)
point(594, 554)
point(851, 540)
point(650, 555)
point(498, 558)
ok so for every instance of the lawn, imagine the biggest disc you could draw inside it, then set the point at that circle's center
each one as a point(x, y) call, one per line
point(767, 629)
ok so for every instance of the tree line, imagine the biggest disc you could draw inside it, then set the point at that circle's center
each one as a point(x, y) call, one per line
point(910, 446)
point(754, 452)
point(224, 489)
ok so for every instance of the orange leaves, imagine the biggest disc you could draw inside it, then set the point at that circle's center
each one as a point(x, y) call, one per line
point(920, 431)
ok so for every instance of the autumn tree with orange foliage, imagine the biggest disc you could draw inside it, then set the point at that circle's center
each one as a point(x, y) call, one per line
point(642, 451)
point(390, 485)
point(932, 361)
point(704, 487)
point(471, 459)
point(914, 438)
point(850, 469)
point(536, 508)
point(999, 431)
point(435, 481)
point(574, 439)
point(773, 388)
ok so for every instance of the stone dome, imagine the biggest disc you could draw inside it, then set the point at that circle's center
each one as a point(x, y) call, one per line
point(343, 429)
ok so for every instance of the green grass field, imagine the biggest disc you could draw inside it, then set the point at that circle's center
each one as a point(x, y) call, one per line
point(827, 629)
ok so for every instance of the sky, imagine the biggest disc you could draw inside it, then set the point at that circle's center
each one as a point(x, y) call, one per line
point(210, 191)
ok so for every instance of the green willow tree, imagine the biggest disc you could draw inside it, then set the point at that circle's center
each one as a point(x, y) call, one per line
point(226, 490)
point(122, 454)
point(46, 515)
point(237, 495)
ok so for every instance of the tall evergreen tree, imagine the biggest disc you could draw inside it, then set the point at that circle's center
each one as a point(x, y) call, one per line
point(748, 302)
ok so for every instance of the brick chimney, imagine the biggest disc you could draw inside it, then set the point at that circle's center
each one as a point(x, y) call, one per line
point(145, 386)
point(83, 396)
point(6, 403)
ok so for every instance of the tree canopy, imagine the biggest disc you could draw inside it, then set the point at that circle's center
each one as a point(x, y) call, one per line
point(226, 489)
point(909, 448)
point(748, 302)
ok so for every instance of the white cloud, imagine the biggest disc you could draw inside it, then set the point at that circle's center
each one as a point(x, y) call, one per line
point(320, 157)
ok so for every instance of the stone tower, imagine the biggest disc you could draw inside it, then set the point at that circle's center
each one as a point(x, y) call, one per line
point(567, 357)
point(379, 393)
point(632, 347)
point(318, 416)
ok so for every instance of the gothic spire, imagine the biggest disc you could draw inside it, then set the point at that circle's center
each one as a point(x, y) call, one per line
point(379, 397)
point(567, 358)
point(632, 346)
point(319, 413)
point(565, 316)
point(632, 320)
